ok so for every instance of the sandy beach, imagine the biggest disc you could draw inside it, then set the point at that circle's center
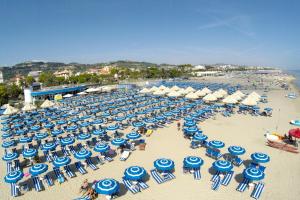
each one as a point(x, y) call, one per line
point(282, 173)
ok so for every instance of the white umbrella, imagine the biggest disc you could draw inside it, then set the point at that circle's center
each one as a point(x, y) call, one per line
point(153, 89)
point(218, 94)
point(162, 87)
point(191, 95)
point(223, 92)
point(174, 94)
point(175, 88)
point(190, 89)
point(10, 110)
point(200, 93)
point(210, 97)
point(4, 106)
point(47, 104)
point(91, 90)
point(206, 90)
point(167, 90)
point(249, 102)
point(182, 91)
point(239, 93)
point(28, 107)
point(230, 100)
point(159, 92)
point(68, 95)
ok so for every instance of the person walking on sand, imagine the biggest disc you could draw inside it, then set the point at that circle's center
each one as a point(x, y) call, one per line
point(178, 126)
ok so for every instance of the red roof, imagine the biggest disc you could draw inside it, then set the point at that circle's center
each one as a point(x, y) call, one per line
point(295, 132)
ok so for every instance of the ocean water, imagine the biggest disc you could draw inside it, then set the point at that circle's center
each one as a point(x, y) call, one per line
point(296, 73)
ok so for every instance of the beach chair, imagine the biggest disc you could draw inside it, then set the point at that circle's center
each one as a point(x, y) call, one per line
point(91, 164)
point(49, 180)
point(37, 183)
point(156, 176)
point(69, 172)
point(130, 186)
point(80, 168)
point(107, 158)
point(54, 155)
point(216, 184)
point(215, 176)
point(65, 151)
point(243, 185)
point(226, 180)
point(59, 176)
point(124, 155)
point(197, 174)
point(149, 133)
point(169, 176)
point(132, 147)
point(14, 191)
point(47, 156)
point(216, 155)
point(143, 185)
point(72, 149)
point(257, 190)
point(17, 165)
point(237, 161)
point(262, 168)
point(9, 167)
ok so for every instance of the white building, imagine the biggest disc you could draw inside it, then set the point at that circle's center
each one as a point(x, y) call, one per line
point(199, 67)
point(1, 77)
point(208, 73)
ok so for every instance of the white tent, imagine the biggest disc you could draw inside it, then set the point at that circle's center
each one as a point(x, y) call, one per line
point(249, 102)
point(206, 90)
point(218, 94)
point(47, 104)
point(4, 106)
point(175, 88)
point(174, 94)
point(223, 92)
point(200, 93)
point(162, 87)
point(167, 90)
point(91, 90)
point(68, 95)
point(191, 95)
point(239, 93)
point(236, 96)
point(183, 91)
point(28, 107)
point(153, 89)
point(210, 97)
point(230, 100)
point(145, 90)
point(10, 110)
point(190, 89)
point(159, 92)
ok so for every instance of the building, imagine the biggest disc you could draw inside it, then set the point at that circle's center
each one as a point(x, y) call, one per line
point(208, 73)
point(35, 74)
point(65, 73)
point(105, 70)
point(199, 67)
point(93, 71)
point(1, 77)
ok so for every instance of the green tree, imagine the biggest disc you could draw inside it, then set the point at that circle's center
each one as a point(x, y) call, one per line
point(3, 94)
point(29, 80)
point(13, 91)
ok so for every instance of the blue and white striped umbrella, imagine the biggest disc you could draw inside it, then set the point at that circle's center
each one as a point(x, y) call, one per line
point(61, 161)
point(84, 124)
point(135, 173)
point(84, 136)
point(7, 135)
point(253, 174)
point(188, 119)
point(49, 146)
point(28, 153)
point(118, 141)
point(35, 128)
point(260, 157)
point(130, 116)
point(164, 164)
point(101, 148)
point(72, 128)
point(97, 121)
point(138, 124)
point(106, 114)
point(10, 156)
point(40, 136)
point(168, 114)
point(120, 118)
point(133, 135)
point(83, 154)
point(75, 119)
point(189, 123)
point(222, 165)
point(236, 150)
point(13, 177)
point(193, 162)
point(107, 186)
point(21, 132)
point(200, 137)
point(67, 141)
point(98, 132)
point(57, 132)
point(216, 144)
point(112, 127)
point(25, 139)
point(7, 144)
point(43, 120)
point(61, 122)
point(50, 125)
point(160, 118)
point(38, 169)
point(190, 130)
point(150, 120)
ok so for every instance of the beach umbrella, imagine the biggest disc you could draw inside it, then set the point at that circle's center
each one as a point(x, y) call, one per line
point(120, 118)
point(35, 128)
point(206, 90)
point(71, 128)
point(150, 120)
point(10, 156)
point(10, 110)
point(118, 141)
point(84, 124)
point(193, 162)
point(7, 144)
point(61, 122)
point(38, 169)
point(199, 137)
point(112, 127)
point(144, 91)
point(40, 136)
point(168, 114)
point(84, 136)
point(216, 144)
point(164, 164)
point(135, 173)
point(210, 97)
point(14, 176)
point(61, 161)
point(49, 125)
point(7, 135)
point(190, 130)
point(175, 88)
point(189, 123)
point(25, 139)
point(236, 150)
point(133, 135)
point(83, 154)
point(57, 132)
point(160, 118)
point(97, 121)
point(28, 107)
point(174, 94)
point(138, 124)
point(222, 165)
point(260, 157)
point(230, 100)
point(295, 132)
point(101, 148)
point(98, 132)
point(191, 95)
point(295, 122)
point(253, 174)
point(28, 153)
point(49, 146)
point(67, 141)
point(75, 119)
point(107, 186)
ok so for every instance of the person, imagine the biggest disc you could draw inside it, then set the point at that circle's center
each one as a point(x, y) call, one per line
point(84, 186)
point(178, 126)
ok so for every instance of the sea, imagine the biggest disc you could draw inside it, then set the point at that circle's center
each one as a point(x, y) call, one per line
point(296, 73)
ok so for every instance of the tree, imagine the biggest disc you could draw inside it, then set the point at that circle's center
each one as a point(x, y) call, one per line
point(3, 94)
point(13, 91)
point(29, 80)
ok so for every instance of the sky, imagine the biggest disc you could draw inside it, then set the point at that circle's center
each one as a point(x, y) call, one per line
point(256, 32)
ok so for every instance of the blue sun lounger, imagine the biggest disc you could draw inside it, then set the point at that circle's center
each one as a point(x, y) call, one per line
point(58, 175)
point(9, 167)
point(197, 174)
point(54, 155)
point(169, 177)
point(17, 165)
point(49, 180)
point(215, 176)
point(37, 183)
point(65, 151)
point(237, 161)
point(130, 186)
point(91, 164)
point(80, 168)
point(243, 185)
point(48, 157)
point(69, 171)
point(156, 176)
point(226, 180)
point(143, 185)
point(216, 183)
point(257, 190)
point(72, 149)
point(14, 190)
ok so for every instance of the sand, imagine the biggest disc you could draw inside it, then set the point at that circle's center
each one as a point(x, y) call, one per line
point(282, 173)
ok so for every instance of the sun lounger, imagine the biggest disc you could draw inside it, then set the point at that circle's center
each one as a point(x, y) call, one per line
point(37, 183)
point(243, 185)
point(69, 171)
point(65, 151)
point(80, 168)
point(197, 174)
point(59, 176)
point(237, 161)
point(132, 147)
point(149, 133)
point(47, 156)
point(9, 167)
point(216, 184)
point(130, 186)
point(91, 164)
point(14, 190)
point(257, 190)
point(124, 155)
point(54, 155)
point(261, 168)
point(226, 180)
point(49, 180)
point(143, 185)
point(72, 149)
point(156, 176)
point(215, 176)
point(17, 165)
point(169, 177)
